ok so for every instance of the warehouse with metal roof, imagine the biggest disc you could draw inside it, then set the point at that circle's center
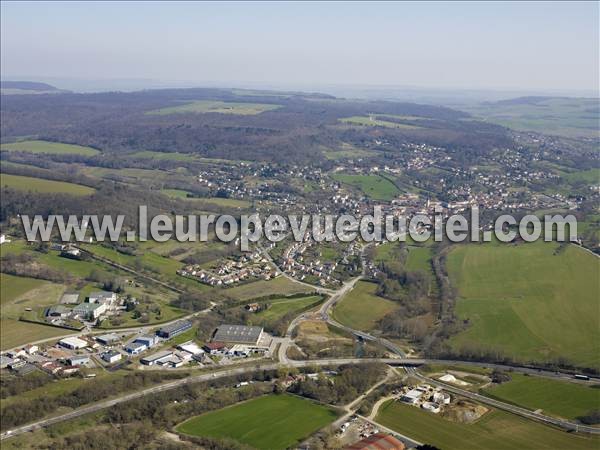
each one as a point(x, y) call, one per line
point(240, 334)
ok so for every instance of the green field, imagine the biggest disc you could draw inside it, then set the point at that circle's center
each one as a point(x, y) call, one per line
point(217, 201)
point(517, 298)
point(170, 156)
point(361, 308)
point(17, 294)
point(262, 288)
point(374, 186)
point(280, 307)
point(210, 106)
point(552, 115)
point(271, 422)
point(496, 430)
point(371, 121)
point(48, 147)
point(12, 287)
point(46, 186)
point(14, 333)
point(557, 398)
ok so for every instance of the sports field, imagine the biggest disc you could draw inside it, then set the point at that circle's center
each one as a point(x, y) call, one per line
point(48, 147)
point(271, 422)
point(361, 308)
point(210, 106)
point(556, 398)
point(374, 186)
point(516, 298)
point(496, 430)
point(46, 186)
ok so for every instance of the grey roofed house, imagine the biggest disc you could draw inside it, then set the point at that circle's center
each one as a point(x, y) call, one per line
point(71, 298)
point(241, 334)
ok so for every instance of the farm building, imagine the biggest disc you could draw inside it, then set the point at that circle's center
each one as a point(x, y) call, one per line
point(171, 330)
point(111, 357)
point(73, 343)
point(238, 334)
point(378, 441)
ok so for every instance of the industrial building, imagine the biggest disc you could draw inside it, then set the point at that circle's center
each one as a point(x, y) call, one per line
point(238, 334)
point(108, 339)
point(89, 311)
point(135, 348)
point(73, 343)
point(78, 360)
point(148, 340)
point(111, 357)
point(171, 330)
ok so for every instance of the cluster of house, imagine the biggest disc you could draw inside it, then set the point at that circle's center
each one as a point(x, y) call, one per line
point(429, 398)
point(294, 264)
point(98, 303)
point(247, 267)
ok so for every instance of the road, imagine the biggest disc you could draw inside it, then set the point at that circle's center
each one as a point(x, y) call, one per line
point(178, 383)
point(399, 360)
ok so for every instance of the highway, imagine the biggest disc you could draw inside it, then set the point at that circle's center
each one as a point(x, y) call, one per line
point(400, 360)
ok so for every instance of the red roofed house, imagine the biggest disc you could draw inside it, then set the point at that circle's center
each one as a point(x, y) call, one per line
point(377, 441)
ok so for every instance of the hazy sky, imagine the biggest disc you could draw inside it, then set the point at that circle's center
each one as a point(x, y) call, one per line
point(468, 45)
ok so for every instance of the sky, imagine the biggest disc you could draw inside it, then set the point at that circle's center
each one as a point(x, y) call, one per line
point(507, 46)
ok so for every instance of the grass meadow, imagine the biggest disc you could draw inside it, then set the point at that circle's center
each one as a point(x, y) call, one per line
point(271, 422)
point(361, 308)
point(48, 147)
point(496, 430)
point(516, 297)
point(23, 183)
point(210, 106)
point(373, 186)
point(553, 397)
